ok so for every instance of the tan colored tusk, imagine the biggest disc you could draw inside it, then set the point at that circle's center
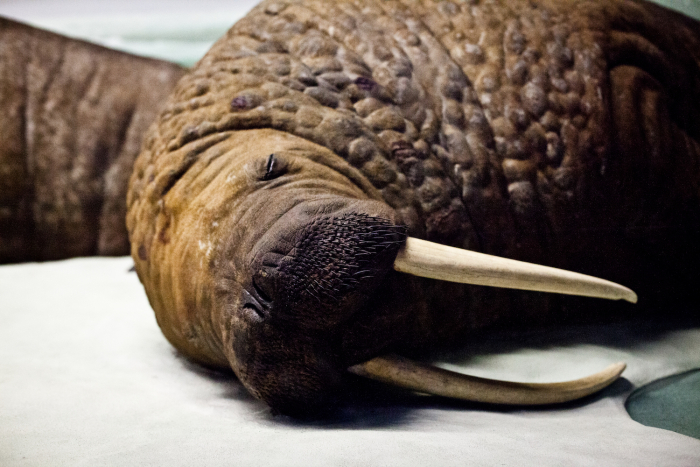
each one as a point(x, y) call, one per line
point(436, 261)
point(408, 374)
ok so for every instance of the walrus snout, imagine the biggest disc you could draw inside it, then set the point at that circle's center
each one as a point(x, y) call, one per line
point(311, 272)
point(323, 259)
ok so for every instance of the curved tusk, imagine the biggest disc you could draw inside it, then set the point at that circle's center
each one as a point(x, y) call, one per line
point(436, 261)
point(408, 374)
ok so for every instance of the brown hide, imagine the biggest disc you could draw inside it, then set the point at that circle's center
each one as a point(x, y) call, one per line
point(562, 133)
point(73, 119)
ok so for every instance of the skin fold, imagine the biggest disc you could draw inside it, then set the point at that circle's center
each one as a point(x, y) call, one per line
point(286, 168)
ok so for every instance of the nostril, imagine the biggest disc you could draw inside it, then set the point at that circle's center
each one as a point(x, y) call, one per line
point(260, 290)
point(255, 309)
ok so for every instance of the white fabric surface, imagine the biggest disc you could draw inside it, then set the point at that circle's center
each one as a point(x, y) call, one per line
point(177, 30)
point(87, 379)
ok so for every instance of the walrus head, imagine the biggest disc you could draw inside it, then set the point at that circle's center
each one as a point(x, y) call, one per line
point(272, 255)
point(305, 250)
point(305, 277)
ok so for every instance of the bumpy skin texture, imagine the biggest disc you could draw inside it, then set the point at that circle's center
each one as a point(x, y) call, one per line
point(561, 133)
point(73, 119)
point(558, 133)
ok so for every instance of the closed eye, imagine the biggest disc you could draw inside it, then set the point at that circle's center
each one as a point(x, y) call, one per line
point(270, 167)
point(274, 167)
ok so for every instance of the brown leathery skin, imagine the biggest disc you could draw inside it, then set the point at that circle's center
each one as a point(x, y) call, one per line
point(555, 132)
point(562, 133)
point(73, 119)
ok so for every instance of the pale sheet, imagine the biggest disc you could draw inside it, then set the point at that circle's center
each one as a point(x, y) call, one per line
point(87, 379)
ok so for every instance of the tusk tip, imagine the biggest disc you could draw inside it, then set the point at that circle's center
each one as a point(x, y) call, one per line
point(630, 296)
point(610, 374)
point(617, 368)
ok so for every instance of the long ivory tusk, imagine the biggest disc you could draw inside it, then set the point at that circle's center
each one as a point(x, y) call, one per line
point(408, 374)
point(436, 261)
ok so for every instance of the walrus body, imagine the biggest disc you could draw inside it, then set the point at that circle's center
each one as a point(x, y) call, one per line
point(280, 180)
point(553, 132)
point(73, 117)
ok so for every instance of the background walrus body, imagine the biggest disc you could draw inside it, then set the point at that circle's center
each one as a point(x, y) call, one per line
point(72, 122)
point(552, 132)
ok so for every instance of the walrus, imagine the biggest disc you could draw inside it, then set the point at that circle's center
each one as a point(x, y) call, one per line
point(316, 191)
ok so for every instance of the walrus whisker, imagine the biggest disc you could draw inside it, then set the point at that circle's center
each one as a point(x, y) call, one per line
point(436, 261)
point(399, 371)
